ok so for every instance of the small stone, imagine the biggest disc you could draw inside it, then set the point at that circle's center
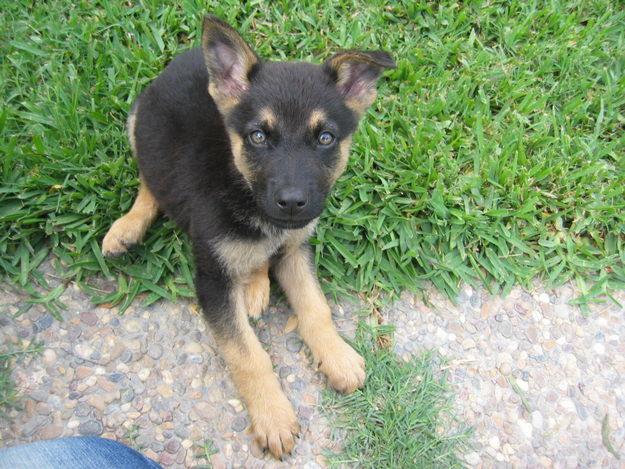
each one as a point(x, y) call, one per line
point(293, 344)
point(34, 424)
point(186, 444)
point(49, 432)
point(90, 427)
point(172, 446)
point(132, 325)
point(166, 459)
point(468, 343)
point(39, 395)
point(97, 401)
point(217, 461)
point(197, 359)
point(91, 380)
point(83, 372)
point(89, 318)
point(127, 395)
point(165, 390)
point(49, 357)
point(505, 369)
point(236, 405)
point(155, 351)
point(537, 420)
point(493, 441)
point(82, 410)
point(143, 374)
point(599, 348)
point(204, 410)
point(126, 356)
point(505, 328)
point(42, 408)
point(239, 424)
point(73, 423)
point(149, 452)
point(43, 323)
point(472, 458)
point(526, 428)
point(115, 377)
point(193, 348)
point(285, 371)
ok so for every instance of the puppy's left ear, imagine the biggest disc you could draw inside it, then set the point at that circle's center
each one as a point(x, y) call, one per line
point(356, 74)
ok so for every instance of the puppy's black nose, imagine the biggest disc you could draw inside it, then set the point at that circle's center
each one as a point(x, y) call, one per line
point(291, 200)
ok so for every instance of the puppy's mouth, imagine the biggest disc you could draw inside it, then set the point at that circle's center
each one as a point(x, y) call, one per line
point(288, 223)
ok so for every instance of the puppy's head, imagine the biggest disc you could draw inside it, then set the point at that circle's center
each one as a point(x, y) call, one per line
point(290, 123)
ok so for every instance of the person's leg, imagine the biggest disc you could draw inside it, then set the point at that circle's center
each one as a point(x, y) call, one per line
point(74, 453)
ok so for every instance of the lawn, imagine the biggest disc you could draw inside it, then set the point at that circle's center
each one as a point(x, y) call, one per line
point(495, 153)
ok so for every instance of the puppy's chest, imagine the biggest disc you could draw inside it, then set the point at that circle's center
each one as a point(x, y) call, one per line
point(242, 256)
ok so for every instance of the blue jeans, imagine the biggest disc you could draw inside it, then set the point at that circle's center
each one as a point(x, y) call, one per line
point(85, 452)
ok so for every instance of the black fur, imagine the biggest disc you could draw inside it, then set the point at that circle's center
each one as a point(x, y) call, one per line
point(186, 160)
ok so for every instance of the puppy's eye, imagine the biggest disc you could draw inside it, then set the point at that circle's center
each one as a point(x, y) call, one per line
point(325, 138)
point(258, 137)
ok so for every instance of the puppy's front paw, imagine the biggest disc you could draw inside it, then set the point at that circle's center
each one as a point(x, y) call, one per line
point(274, 425)
point(257, 296)
point(343, 366)
point(123, 234)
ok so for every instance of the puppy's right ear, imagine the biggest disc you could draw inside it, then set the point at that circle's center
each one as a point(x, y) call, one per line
point(229, 60)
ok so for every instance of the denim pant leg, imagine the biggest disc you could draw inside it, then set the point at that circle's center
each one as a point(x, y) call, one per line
point(74, 453)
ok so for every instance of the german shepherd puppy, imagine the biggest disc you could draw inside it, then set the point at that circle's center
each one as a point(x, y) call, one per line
point(242, 153)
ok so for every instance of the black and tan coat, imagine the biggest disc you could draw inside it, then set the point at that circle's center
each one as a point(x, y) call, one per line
point(242, 153)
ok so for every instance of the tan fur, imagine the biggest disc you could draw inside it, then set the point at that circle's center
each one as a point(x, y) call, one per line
point(242, 257)
point(131, 228)
point(236, 144)
point(344, 148)
point(337, 360)
point(224, 103)
point(268, 117)
point(130, 128)
point(361, 106)
point(316, 117)
point(273, 420)
point(256, 291)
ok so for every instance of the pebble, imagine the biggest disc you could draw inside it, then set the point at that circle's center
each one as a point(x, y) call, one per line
point(172, 446)
point(90, 428)
point(239, 424)
point(294, 344)
point(49, 357)
point(89, 318)
point(155, 351)
point(43, 323)
point(127, 395)
point(193, 348)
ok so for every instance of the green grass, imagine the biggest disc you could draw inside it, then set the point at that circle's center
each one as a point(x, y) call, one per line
point(10, 397)
point(401, 419)
point(495, 152)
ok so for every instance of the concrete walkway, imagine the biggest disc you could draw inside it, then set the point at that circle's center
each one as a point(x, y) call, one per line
point(532, 375)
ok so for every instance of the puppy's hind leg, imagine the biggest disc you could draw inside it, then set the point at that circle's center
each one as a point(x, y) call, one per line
point(130, 229)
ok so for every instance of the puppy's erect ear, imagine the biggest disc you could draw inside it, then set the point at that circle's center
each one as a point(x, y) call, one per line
point(356, 73)
point(229, 60)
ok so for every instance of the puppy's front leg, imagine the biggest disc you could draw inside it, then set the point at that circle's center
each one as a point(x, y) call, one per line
point(344, 368)
point(274, 422)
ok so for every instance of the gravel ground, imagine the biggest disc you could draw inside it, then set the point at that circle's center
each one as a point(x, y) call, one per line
point(533, 376)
